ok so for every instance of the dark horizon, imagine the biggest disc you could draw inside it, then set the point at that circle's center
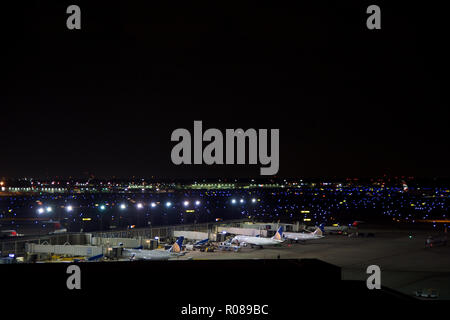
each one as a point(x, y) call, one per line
point(387, 180)
point(349, 102)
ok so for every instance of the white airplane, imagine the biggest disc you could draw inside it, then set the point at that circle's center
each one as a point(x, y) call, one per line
point(297, 236)
point(57, 231)
point(336, 228)
point(141, 254)
point(258, 241)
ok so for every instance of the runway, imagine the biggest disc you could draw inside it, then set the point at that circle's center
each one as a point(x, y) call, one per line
point(406, 265)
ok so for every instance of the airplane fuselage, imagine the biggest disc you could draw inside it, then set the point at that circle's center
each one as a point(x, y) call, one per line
point(301, 236)
point(139, 254)
point(257, 241)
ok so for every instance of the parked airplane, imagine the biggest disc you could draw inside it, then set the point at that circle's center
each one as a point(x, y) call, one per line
point(298, 236)
point(58, 228)
point(197, 245)
point(258, 241)
point(140, 254)
point(335, 228)
point(8, 234)
point(57, 231)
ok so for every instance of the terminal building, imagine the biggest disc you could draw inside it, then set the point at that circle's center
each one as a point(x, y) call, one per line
point(97, 245)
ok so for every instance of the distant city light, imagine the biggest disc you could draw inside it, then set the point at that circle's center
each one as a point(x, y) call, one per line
point(253, 200)
point(69, 208)
point(153, 204)
point(123, 206)
point(102, 207)
point(140, 205)
point(168, 204)
point(186, 203)
point(233, 201)
point(197, 203)
point(49, 209)
point(241, 201)
point(41, 210)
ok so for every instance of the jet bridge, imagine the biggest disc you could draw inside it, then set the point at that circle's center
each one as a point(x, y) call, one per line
point(75, 250)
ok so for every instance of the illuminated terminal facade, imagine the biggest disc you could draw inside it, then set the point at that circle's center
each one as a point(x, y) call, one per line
point(34, 186)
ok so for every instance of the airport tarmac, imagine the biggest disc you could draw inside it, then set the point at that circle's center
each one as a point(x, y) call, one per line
point(406, 265)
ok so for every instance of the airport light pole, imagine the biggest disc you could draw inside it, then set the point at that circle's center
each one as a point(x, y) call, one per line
point(102, 208)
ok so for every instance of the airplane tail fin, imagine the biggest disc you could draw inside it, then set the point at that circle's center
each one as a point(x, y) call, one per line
point(201, 242)
point(279, 234)
point(318, 232)
point(176, 247)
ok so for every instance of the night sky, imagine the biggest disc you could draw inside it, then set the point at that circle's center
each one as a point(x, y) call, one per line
point(105, 99)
